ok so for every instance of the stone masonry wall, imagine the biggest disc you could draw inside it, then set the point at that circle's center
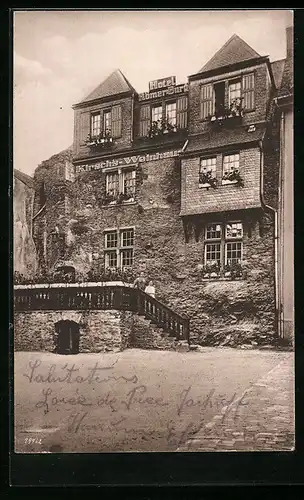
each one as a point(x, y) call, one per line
point(243, 310)
point(100, 331)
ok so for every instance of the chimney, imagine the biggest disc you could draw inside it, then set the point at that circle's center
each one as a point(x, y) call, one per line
point(289, 42)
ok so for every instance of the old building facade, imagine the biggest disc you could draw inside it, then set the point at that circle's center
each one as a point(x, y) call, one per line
point(25, 255)
point(180, 183)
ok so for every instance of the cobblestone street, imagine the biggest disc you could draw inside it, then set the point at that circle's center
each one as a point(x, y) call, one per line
point(260, 419)
point(218, 399)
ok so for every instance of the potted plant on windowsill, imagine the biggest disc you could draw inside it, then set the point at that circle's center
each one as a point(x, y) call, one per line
point(104, 138)
point(222, 113)
point(233, 177)
point(211, 270)
point(160, 128)
point(206, 179)
point(233, 270)
point(117, 199)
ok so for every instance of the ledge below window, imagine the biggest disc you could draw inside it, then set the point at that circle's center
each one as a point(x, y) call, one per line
point(124, 204)
point(223, 278)
point(226, 182)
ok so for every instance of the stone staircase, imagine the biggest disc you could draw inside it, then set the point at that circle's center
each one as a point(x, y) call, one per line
point(147, 335)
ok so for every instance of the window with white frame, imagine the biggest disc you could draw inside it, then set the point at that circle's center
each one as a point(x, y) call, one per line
point(95, 124)
point(207, 169)
point(128, 182)
point(119, 248)
point(112, 183)
point(157, 113)
point(171, 113)
point(231, 164)
point(235, 91)
point(121, 182)
point(234, 230)
point(233, 253)
point(223, 244)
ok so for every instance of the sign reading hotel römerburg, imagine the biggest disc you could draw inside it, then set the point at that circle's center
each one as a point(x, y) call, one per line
point(178, 89)
point(162, 83)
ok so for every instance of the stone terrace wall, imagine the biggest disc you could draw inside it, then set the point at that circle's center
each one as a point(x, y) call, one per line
point(100, 331)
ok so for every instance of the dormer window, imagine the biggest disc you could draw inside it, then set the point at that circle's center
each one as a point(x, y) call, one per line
point(166, 117)
point(106, 123)
point(216, 103)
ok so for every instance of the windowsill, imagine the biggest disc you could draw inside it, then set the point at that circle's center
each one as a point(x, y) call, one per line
point(210, 120)
point(115, 204)
point(223, 278)
point(226, 182)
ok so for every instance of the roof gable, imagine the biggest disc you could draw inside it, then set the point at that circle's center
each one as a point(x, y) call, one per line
point(115, 83)
point(235, 50)
point(26, 179)
point(277, 70)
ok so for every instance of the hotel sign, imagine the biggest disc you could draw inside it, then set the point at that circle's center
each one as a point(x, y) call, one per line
point(170, 91)
point(127, 160)
point(162, 83)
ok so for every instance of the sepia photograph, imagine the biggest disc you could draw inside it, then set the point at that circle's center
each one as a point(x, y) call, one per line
point(153, 228)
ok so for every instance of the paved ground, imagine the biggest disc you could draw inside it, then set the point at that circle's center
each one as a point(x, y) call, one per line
point(140, 400)
point(260, 420)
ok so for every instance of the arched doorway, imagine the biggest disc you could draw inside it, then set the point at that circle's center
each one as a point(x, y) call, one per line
point(65, 274)
point(67, 337)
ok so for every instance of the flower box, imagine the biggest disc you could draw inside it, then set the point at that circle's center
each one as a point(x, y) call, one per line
point(214, 275)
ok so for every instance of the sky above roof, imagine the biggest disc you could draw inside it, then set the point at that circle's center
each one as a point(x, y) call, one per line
point(62, 56)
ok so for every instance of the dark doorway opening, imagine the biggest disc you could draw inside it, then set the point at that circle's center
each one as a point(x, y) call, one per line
point(67, 337)
point(219, 90)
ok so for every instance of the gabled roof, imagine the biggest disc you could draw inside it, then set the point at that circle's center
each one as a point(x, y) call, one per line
point(116, 83)
point(277, 70)
point(235, 50)
point(26, 179)
point(286, 88)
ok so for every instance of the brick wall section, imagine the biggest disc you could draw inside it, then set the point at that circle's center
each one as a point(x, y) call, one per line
point(196, 125)
point(80, 149)
point(226, 197)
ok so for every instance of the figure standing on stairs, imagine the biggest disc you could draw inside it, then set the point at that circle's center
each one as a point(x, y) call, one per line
point(150, 289)
point(140, 282)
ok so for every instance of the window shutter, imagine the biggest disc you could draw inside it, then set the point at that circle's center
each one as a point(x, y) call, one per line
point(84, 127)
point(181, 113)
point(116, 121)
point(248, 91)
point(207, 101)
point(144, 120)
